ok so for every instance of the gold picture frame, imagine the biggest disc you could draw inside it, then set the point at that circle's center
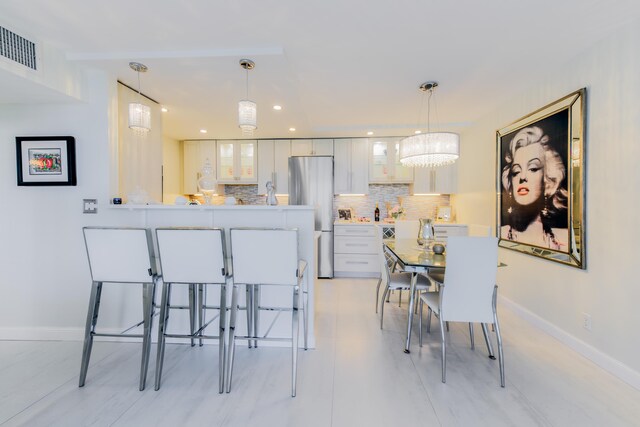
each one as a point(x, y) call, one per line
point(540, 182)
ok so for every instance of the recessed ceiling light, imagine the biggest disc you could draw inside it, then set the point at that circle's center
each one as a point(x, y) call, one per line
point(203, 131)
point(418, 132)
point(292, 129)
point(277, 107)
point(369, 133)
point(164, 109)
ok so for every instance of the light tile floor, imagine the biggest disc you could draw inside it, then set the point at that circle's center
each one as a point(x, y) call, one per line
point(358, 376)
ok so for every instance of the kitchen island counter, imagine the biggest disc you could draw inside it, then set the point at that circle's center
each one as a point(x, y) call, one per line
point(235, 216)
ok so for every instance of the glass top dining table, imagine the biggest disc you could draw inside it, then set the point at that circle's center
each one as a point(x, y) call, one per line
point(413, 256)
point(414, 259)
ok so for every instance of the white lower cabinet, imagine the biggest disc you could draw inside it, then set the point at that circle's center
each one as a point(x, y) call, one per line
point(355, 251)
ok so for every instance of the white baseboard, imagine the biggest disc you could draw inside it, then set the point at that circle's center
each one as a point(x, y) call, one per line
point(601, 359)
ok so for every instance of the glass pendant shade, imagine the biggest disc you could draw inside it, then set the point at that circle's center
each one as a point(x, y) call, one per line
point(430, 149)
point(139, 116)
point(247, 116)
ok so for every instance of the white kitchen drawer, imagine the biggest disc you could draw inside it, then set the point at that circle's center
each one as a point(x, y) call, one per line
point(354, 230)
point(355, 245)
point(356, 263)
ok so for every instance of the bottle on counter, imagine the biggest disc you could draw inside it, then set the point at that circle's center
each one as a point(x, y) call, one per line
point(377, 213)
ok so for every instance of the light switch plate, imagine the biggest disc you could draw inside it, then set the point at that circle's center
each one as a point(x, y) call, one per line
point(90, 206)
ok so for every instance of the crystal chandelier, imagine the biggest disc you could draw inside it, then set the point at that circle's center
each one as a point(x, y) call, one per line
point(139, 114)
point(247, 110)
point(430, 149)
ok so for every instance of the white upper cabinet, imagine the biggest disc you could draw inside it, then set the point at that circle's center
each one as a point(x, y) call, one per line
point(273, 165)
point(195, 154)
point(351, 166)
point(312, 147)
point(384, 162)
point(237, 161)
point(442, 180)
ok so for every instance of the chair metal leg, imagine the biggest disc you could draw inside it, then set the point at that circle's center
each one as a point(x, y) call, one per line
point(429, 313)
point(256, 313)
point(295, 324)
point(400, 298)
point(192, 311)
point(148, 294)
point(305, 307)
point(249, 305)
point(444, 349)
point(378, 292)
point(421, 304)
point(201, 310)
point(498, 335)
point(471, 336)
point(222, 336)
point(384, 296)
point(232, 335)
point(162, 324)
point(92, 319)
point(500, 351)
point(485, 332)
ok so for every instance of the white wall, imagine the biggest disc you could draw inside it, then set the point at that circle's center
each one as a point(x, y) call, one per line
point(44, 280)
point(554, 295)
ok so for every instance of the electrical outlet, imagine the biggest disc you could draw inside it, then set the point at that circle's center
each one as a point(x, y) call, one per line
point(586, 321)
point(90, 206)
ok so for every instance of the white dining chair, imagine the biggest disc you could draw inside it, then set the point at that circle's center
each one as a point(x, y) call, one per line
point(120, 255)
point(468, 293)
point(267, 257)
point(394, 280)
point(193, 257)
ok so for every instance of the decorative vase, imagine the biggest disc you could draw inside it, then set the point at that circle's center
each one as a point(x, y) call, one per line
point(426, 233)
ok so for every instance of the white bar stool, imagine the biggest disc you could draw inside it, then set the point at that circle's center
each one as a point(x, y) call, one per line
point(193, 256)
point(267, 257)
point(119, 255)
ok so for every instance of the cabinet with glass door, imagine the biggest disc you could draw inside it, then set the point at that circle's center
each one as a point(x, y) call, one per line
point(237, 162)
point(384, 162)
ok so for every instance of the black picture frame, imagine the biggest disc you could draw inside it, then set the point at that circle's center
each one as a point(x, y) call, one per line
point(541, 182)
point(46, 160)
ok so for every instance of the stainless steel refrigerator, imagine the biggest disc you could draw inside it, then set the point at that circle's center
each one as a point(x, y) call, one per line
point(311, 183)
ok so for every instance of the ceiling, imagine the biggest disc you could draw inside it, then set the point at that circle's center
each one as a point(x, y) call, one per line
point(337, 67)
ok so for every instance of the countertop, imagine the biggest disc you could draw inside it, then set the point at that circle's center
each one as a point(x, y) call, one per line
point(212, 207)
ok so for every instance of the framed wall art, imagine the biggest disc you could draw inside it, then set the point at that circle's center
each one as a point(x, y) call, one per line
point(541, 182)
point(46, 160)
point(345, 214)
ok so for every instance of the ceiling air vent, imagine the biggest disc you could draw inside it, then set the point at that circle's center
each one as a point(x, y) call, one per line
point(17, 48)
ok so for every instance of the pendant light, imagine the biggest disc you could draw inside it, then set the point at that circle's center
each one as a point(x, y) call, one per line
point(139, 114)
point(429, 149)
point(247, 110)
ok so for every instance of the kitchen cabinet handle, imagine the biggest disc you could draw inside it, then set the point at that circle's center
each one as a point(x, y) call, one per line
point(356, 244)
point(356, 262)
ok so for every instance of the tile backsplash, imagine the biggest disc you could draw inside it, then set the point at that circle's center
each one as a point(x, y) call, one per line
point(244, 194)
point(415, 207)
